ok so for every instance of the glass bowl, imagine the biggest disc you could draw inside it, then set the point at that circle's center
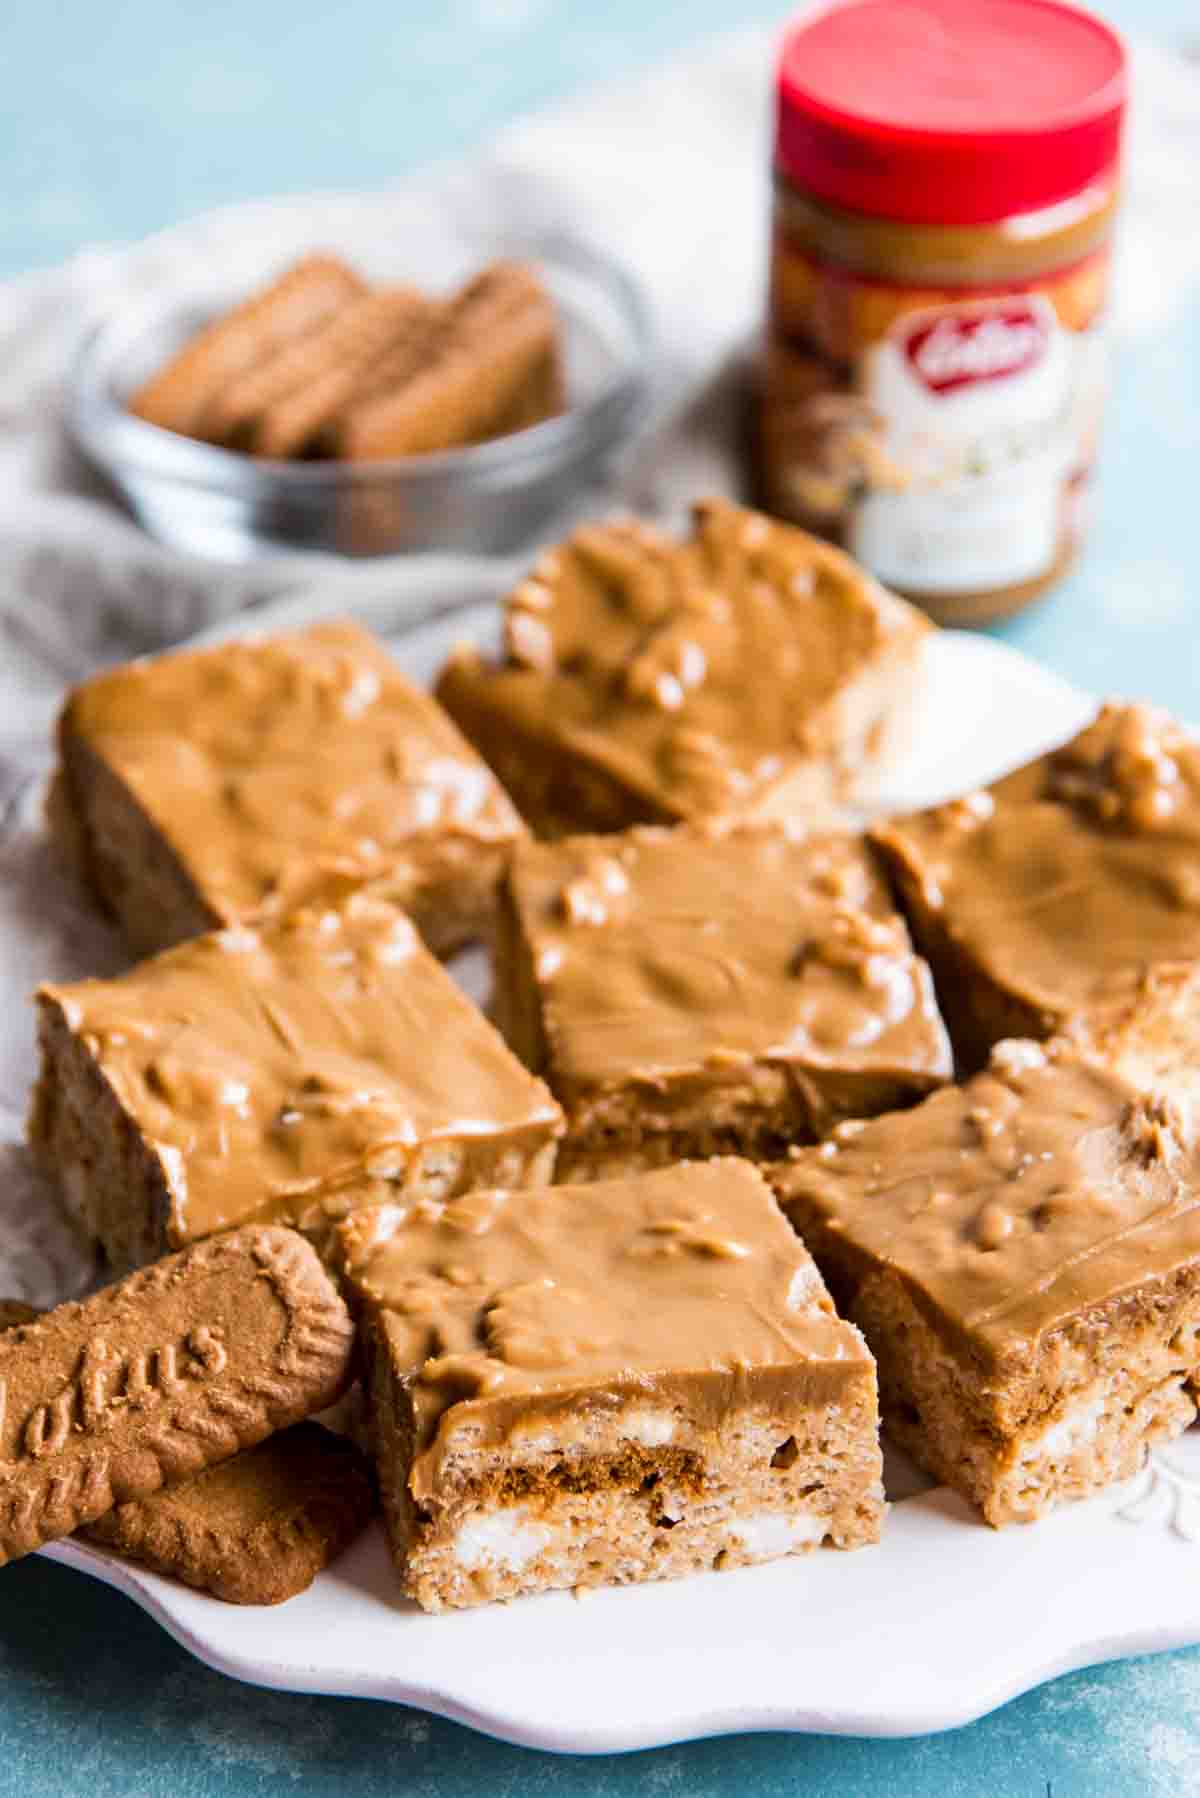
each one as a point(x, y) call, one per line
point(489, 497)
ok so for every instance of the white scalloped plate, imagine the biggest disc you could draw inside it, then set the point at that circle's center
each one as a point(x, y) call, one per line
point(941, 1622)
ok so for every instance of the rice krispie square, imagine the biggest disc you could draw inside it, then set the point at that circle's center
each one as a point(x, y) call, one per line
point(749, 671)
point(583, 1385)
point(703, 991)
point(1022, 1254)
point(259, 1074)
point(1053, 890)
point(228, 785)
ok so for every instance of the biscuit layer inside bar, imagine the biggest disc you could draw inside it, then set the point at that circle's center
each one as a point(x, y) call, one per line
point(595, 1384)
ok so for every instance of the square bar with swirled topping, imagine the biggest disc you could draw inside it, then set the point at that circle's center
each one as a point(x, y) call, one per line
point(230, 784)
point(1022, 1254)
point(748, 671)
point(586, 1385)
point(1053, 891)
point(266, 1074)
point(705, 990)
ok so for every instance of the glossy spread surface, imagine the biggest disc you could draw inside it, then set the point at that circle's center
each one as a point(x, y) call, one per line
point(281, 768)
point(1066, 879)
point(663, 951)
point(684, 1281)
point(1046, 1185)
point(270, 1066)
point(700, 674)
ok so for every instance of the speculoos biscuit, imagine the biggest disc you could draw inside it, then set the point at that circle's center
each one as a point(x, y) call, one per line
point(361, 330)
point(257, 1529)
point(339, 361)
point(495, 343)
point(183, 396)
point(172, 1370)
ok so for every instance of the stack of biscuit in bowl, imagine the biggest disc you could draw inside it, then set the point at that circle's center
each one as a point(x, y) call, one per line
point(782, 1122)
point(322, 365)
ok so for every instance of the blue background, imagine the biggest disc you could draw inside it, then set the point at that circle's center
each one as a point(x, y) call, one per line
point(119, 118)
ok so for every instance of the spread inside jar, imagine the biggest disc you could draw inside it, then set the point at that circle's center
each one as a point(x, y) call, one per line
point(931, 381)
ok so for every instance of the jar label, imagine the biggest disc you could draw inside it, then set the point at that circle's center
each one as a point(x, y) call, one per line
point(945, 436)
point(993, 341)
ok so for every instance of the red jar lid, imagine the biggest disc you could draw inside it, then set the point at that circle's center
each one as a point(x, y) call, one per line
point(949, 112)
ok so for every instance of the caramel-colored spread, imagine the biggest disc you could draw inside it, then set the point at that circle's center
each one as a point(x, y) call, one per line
point(682, 1288)
point(831, 434)
point(281, 769)
point(660, 953)
point(704, 677)
point(941, 259)
point(1046, 1187)
point(1064, 881)
point(269, 1068)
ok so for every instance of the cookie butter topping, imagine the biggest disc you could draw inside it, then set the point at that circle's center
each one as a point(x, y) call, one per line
point(676, 1281)
point(1124, 771)
point(1045, 1186)
point(1070, 876)
point(281, 768)
point(269, 1067)
point(658, 947)
point(701, 672)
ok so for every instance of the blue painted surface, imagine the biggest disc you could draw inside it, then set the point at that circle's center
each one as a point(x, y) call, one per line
point(116, 119)
point(1125, 621)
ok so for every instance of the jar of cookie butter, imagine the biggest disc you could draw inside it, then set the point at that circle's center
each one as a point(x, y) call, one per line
point(930, 389)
